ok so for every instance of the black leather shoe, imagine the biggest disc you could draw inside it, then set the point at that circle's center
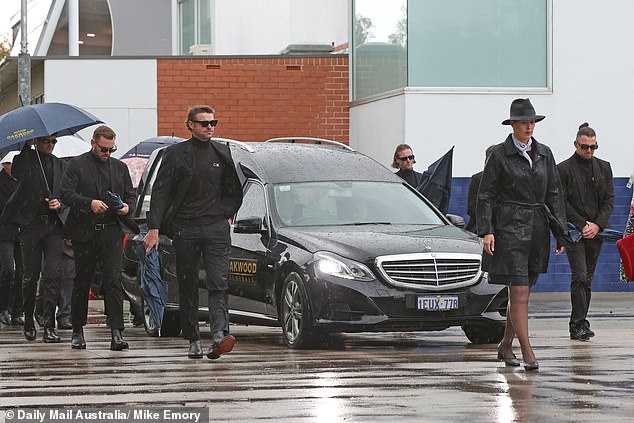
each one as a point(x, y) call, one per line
point(17, 321)
point(30, 333)
point(50, 337)
point(117, 343)
point(64, 324)
point(195, 350)
point(580, 334)
point(221, 347)
point(510, 361)
point(529, 367)
point(78, 342)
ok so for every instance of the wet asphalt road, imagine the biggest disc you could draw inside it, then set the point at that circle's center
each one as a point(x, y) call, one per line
point(426, 377)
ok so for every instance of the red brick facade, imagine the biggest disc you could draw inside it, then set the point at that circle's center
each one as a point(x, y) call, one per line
point(257, 98)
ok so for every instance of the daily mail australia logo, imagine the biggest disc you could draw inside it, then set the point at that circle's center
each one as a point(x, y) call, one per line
point(243, 270)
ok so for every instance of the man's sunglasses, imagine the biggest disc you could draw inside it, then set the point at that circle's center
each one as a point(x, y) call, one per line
point(107, 149)
point(47, 141)
point(406, 158)
point(206, 123)
point(586, 146)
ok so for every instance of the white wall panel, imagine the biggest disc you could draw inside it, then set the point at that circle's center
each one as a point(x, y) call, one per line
point(123, 93)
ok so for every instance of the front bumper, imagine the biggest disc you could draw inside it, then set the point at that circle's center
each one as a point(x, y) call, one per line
point(353, 306)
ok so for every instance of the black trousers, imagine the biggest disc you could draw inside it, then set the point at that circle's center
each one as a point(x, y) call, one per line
point(582, 257)
point(10, 277)
point(106, 247)
point(41, 239)
point(213, 243)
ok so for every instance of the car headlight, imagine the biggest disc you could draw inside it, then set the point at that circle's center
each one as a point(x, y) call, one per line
point(334, 265)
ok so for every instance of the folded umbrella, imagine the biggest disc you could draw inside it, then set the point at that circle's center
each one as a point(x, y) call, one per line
point(153, 288)
point(40, 120)
point(607, 234)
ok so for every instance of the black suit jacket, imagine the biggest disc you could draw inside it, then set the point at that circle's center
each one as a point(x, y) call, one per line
point(472, 202)
point(26, 201)
point(8, 185)
point(577, 211)
point(81, 185)
point(175, 176)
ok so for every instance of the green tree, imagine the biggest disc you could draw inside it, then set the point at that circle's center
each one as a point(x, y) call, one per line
point(399, 36)
point(362, 29)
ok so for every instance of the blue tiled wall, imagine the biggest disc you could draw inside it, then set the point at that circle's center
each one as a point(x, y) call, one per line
point(557, 279)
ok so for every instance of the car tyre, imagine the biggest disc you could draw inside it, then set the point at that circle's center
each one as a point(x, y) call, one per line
point(148, 321)
point(484, 334)
point(295, 314)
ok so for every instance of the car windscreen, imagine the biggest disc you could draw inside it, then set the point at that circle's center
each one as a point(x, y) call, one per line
point(351, 203)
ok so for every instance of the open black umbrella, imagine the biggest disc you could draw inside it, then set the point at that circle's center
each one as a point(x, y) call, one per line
point(145, 148)
point(39, 120)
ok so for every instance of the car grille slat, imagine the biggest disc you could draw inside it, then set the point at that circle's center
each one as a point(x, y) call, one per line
point(432, 271)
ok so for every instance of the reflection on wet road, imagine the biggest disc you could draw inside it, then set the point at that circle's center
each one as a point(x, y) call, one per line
point(427, 377)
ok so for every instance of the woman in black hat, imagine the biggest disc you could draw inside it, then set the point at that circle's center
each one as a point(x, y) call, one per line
point(520, 197)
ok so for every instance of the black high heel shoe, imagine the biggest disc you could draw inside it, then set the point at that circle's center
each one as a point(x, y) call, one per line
point(513, 361)
point(531, 366)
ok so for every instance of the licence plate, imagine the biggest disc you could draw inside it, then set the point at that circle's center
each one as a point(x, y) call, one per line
point(437, 302)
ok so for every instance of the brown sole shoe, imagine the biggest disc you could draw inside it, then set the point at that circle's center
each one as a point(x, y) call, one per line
point(222, 347)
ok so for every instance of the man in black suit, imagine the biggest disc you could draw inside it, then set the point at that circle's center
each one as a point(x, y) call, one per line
point(194, 197)
point(589, 195)
point(10, 257)
point(96, 229)
point(472, 196)
point(36, 209)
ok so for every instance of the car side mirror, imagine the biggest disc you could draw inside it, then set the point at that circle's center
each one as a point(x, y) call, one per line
point(456, 220)
point(248, 225)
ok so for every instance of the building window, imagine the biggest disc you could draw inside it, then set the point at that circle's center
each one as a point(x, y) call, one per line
point(466, 43)
point(454, 44)
point(379, 46)
point(194, 17)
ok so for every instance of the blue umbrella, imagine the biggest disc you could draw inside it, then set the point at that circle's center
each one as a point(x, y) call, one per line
point(40, 120)
point(607, 234)
point(153, 288)
point(145, 148)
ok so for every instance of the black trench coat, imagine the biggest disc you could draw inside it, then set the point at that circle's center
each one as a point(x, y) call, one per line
point(511, 205)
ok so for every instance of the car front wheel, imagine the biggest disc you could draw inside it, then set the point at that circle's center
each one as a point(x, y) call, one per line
point(295, 314)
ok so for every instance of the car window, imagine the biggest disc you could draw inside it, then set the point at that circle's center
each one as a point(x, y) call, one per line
point(351, 203)
point(147, 192)
point(253, 202)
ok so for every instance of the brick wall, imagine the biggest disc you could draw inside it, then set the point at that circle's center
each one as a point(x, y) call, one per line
point(257, 98)
point(557, 279)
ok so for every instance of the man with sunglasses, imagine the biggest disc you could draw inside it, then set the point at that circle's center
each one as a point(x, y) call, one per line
point(35, 207)
point(194, 197)
point(96, 227)
point(589, 196)
point(404, 161)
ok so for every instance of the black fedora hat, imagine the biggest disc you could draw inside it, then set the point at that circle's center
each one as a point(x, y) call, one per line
point(522, 109)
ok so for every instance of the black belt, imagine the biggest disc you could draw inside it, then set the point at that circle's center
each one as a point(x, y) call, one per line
point(102, 226)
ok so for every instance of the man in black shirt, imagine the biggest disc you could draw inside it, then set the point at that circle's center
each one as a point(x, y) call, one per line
point(589, 195)
point(95, 226)
point(10, 256)
point(36, 208)
point(404, 161)
point(194, 197)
